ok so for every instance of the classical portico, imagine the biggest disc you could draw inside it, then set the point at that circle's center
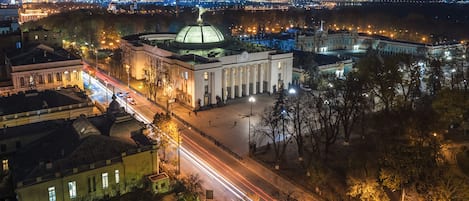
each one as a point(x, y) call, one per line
point(201, 67)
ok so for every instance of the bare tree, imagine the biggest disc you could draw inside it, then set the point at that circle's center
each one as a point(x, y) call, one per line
point(326, 107)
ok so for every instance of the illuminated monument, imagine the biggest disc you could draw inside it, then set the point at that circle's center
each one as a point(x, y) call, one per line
point(199, 66)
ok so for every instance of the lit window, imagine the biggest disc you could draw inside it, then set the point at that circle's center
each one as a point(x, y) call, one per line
point(5, 165)
point(116, 172)
point(205, 75)
point(51, 193)
point(49, 78)
point(72, 189)
point(22, 83)
point(105, 180)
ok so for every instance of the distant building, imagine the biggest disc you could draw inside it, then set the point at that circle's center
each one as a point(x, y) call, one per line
point(34, 106)
point(329, 41)
point(31, 14)
point(40, 35)
point(41, 68)
point(84, 159)
point(199, 67)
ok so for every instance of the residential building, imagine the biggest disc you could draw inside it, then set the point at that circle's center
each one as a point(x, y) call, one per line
point(41, 68)
point(36, 106)
point(88, 158)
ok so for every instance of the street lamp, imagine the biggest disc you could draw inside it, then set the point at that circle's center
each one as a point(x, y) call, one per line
point(127, 69)
point(105, 92)
point(251, 101)
point(179, 153)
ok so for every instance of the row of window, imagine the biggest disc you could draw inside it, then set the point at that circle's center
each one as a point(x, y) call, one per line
point(72, 185)
point(40, 79)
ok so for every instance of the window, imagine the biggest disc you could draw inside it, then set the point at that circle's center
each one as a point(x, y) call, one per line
point(49, 78)
point(41, 79)
point(68, 76)
point(91, 184)
point(5, 165)
point(22, 83)
point(36, 37)
point(116, 172)
point(3, 147)
point(105, 180)
point(72, 189)
point(58, 77)
point(51, 193)
point(205, 75)
point(18, 144)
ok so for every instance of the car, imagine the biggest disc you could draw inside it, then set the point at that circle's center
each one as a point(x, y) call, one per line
point(131, 100)
point(305, 87)
point(122, 94)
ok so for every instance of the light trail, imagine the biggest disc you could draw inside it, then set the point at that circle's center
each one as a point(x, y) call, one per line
point(189, 155)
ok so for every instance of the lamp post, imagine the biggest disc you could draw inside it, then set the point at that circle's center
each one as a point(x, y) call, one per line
point(127, 69)
point(297, 120)
point(96, 54)
point(251, 101)
point(105, 92)
point(179, 153)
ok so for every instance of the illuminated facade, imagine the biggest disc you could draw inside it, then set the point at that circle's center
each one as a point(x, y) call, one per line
point(326, 41)
point(43, 68)
point(199, 67)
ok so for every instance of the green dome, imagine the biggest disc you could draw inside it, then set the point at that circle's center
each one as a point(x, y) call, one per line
point(199, 34)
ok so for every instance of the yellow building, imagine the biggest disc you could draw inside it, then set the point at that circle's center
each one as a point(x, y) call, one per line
point(36, 106)
point(87, 159)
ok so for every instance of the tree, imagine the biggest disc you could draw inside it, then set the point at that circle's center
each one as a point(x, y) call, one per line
point(351, 101)
point(381, 76)
point(192, 188)
point(273, 125)
point(365, 187)
point(451, 106)
point(298, 117)
point(326, 108)
point(169, 130)
point(435, 77)
point(408, 86)
point(450, 187)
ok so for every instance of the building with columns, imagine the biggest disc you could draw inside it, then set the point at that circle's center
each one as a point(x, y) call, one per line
point(200, 67)
point(41, 68)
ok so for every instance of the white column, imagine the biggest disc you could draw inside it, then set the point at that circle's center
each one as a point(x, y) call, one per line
point(240, 79)
point(254, 79)
point(233, 81)
point(248, 80)
point(261, 81)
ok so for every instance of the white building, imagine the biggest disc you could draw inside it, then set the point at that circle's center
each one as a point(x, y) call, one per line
point(199, 67)
point(326, 41)
point(42, 68)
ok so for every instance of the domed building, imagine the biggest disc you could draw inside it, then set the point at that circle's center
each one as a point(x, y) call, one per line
point(199, 66)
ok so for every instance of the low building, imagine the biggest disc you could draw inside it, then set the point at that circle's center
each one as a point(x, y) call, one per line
point(83, 159)
point(36, 106)
point(199, 67)
point(327, 41)
point(42, 67)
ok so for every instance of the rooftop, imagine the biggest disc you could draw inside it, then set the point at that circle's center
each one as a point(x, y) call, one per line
point(34, 100)
point(73, 144)
point(229, 47)
point(41, 54)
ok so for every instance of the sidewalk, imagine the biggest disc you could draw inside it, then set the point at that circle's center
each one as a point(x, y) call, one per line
point(227, 128)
